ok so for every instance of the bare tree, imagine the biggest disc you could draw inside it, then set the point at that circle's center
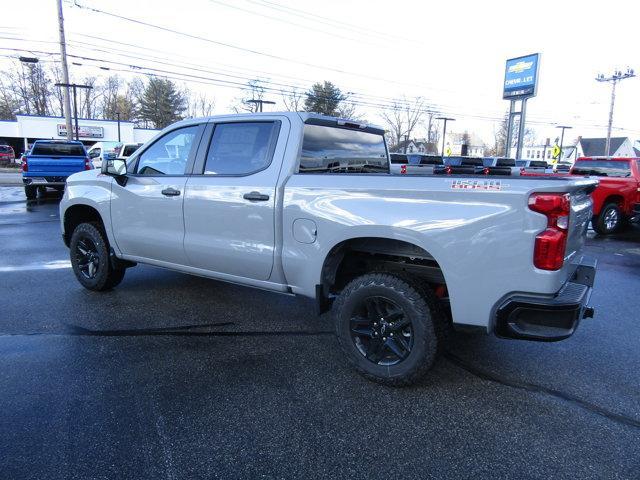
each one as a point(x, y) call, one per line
point(293, 101)
point(200, 105)
point(253, 91)
point(403, 117)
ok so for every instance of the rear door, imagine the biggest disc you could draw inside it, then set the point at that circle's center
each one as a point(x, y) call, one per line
point(146, 210)
point(230, 201)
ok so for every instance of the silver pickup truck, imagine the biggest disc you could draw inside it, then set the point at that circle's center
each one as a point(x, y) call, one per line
point(304, 204)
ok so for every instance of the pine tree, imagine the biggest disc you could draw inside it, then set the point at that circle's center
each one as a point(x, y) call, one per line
point(324, 98)
point(161, 103)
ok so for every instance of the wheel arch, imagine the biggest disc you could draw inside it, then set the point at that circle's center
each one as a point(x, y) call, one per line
point(76, 214)
point(353, 256)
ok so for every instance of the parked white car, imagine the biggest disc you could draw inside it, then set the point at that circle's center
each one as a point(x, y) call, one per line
point(102, 151)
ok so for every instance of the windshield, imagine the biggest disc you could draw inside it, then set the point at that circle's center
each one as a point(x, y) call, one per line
point(58, 149)
point(602, 168)
point(328, 149)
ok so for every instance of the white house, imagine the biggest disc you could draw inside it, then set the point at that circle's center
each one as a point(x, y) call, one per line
point(595, 147)
point(474, 145)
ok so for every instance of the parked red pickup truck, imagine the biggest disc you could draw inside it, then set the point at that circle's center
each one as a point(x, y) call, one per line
point(616, 200)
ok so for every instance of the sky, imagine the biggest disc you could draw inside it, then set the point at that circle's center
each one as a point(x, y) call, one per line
point(450, 53)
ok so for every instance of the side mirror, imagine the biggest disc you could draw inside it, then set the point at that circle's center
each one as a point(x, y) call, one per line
point(116, 167)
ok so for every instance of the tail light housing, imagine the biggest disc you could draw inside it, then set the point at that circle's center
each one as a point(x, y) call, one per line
point(24, 165)
point(87, 163)
point(403, 169)
point(447, 170)
point(551, 244)
point(485, 171)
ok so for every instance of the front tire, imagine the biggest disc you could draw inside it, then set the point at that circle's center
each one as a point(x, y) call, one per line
point(387, 326)
point(89, 251)
point(609, 220)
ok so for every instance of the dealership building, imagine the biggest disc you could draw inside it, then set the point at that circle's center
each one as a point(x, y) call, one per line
point(25, 129)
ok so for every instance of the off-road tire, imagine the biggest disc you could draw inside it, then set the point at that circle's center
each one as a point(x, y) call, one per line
point(106, 276)
point(417, 302)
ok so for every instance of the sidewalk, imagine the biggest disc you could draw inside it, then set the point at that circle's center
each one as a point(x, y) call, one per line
point(13, 178)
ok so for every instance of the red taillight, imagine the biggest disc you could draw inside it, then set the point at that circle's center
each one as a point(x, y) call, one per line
point(25, 167)
point(403, 169)
point(550, 245)
point(447, 170)
point(486, 171)
point(87, 164)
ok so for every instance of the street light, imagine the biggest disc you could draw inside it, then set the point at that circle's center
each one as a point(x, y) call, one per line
point(260, 103)
point(444, 131)
point(75, 102)
point(614, 79)
point(563, 127)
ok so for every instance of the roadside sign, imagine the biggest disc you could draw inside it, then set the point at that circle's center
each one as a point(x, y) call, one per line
point(521, 77)
point(448, 152)
point(556, 152)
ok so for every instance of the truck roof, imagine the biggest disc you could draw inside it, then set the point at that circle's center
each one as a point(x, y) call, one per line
point(614, 159)
point(294, 116)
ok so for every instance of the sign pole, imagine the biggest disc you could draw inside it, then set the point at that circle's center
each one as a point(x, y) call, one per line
point(512, 107)
point(523, 114)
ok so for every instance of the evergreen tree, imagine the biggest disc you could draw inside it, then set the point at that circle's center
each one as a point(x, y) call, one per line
point(324, 98)
point(161, 103)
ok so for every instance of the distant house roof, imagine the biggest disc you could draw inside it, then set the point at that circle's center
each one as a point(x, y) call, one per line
point(400, 146)
point(594, 147)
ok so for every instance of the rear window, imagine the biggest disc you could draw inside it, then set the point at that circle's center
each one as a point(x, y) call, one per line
point(475, 162)
point(431, 160)
point(129, 149)
point(538, 164)
point(602, 168)
point(398, 159)
point(58, 150)
point(339, 150)
point(5, 149)
point(506, 162)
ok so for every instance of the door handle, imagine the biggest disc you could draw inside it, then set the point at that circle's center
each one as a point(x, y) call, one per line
point(255, 197)
point(170, 192)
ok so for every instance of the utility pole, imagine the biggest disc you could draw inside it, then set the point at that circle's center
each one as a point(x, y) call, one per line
point(563, 127)
point(444, 131)
point(65, 72)
point(75, 106)
point(260, 102)
point(118, 115)
point(614, 79)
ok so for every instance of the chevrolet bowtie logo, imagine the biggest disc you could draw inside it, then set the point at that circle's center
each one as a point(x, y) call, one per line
point(520, 67)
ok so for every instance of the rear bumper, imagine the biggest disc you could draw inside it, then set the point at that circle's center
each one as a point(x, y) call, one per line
point(549, 319)
point(46, 181)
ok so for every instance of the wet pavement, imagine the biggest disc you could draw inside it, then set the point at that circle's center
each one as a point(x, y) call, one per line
point(171, 376)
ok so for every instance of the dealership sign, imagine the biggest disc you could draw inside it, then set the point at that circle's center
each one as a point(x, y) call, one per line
point(83, 131)
point(521, 77)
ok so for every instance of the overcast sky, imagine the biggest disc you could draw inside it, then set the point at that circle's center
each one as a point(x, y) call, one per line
point(452, 53)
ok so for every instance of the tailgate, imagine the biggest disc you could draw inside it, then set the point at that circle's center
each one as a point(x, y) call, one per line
point(579, 218)
point(53, 166)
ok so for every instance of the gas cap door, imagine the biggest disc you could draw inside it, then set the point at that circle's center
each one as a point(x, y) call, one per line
point(305, 230)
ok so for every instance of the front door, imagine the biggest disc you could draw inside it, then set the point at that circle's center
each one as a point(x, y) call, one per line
point(146, 210)
point(230, 201)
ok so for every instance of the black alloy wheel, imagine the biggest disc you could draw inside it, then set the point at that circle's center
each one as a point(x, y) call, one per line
point(87, 257)
point(381, 331)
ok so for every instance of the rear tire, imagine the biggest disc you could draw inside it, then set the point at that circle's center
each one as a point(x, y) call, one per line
point(30, 192)
point(609, 220)
point(388, 327)
point(89, 252)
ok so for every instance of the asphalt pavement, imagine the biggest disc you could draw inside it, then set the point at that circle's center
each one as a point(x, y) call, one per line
point(178, 377)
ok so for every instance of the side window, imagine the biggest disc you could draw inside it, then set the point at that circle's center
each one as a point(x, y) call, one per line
point(169, 154)
point(240, 148)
